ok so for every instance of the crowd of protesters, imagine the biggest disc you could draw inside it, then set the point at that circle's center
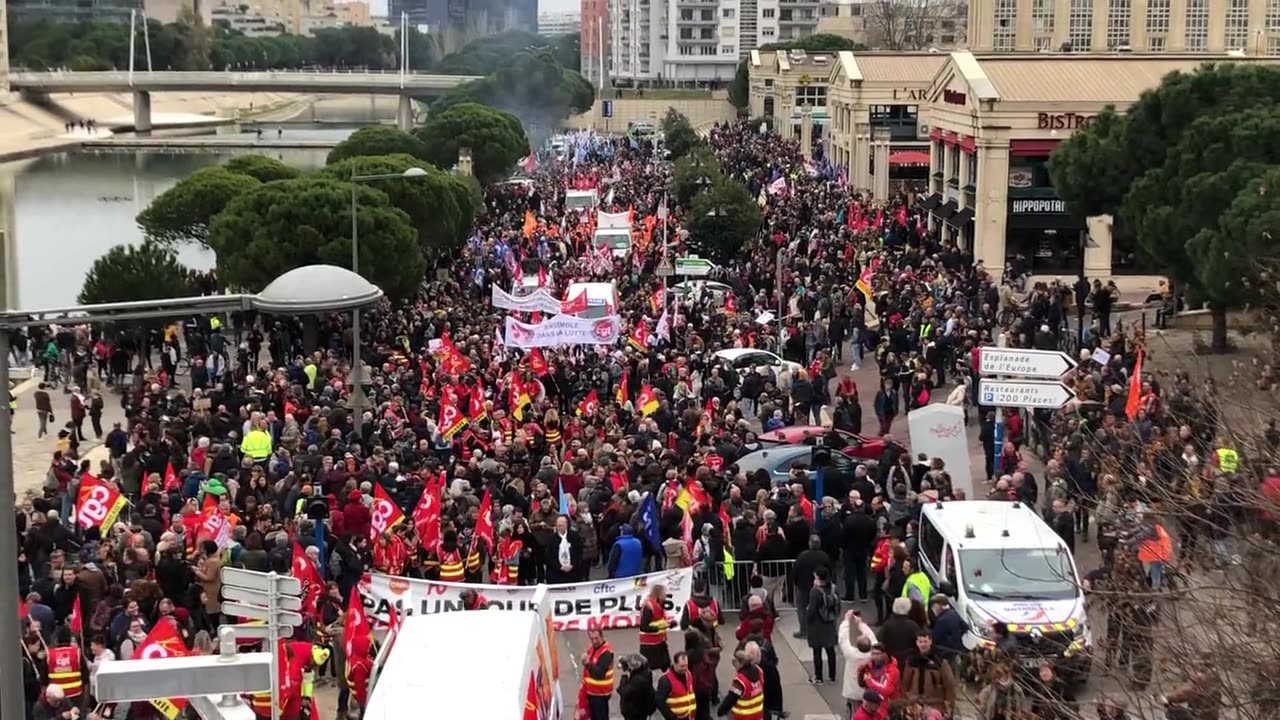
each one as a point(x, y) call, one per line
point(265, 440)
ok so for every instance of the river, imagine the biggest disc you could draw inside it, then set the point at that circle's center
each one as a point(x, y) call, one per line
point(71, 207)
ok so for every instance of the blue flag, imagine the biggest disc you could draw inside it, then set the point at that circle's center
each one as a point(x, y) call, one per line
point(564, 500)
point(649, 521)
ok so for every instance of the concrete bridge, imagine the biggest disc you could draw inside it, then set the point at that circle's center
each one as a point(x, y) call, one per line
point(406, 85)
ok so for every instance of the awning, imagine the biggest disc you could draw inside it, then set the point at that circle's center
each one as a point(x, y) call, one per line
point(931, 202)
point(961, 218)
point(915, 158)
point(946, 210)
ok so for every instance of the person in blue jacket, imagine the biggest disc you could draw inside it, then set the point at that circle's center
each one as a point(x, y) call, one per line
point(626, 559)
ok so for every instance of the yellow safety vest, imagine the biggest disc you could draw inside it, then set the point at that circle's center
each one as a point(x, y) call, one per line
point(256, 444)
point(1228, 460)
point(920, 581)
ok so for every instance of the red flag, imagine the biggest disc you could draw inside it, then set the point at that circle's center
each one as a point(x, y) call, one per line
point(535, 317)
point(393, 624)
point(170, 477)
point(537, 363)
point(210, 502)
point(725, 524)
point(98, 504)
point(426, 516)
point(484, 522)
point(620, 393)
point(639, 338)
point(477, 411)
point(647, 400)
point(590, 404)
point(806, 507)
point(355, 625)
point(306, 572)
point(163, 642)
point(543, 280)
point(386, 514)
point(451, 420)
point(1134, 400)
point(77, 619)
point(575, 304)
point(729, 305)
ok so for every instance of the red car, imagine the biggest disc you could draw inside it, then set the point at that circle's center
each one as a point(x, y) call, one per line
point(850, 444)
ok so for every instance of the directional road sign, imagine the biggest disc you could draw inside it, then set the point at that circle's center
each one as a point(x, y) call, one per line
point(262, 582)
point(257, 612)
point(257, 597)
point(249, 631)
point(693, 266)
point(1024, 393)
point(1024, 363)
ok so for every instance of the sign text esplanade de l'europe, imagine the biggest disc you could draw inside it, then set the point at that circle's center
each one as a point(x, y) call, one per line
point(969, 134)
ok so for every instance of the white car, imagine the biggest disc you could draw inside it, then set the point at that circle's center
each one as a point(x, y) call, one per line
point(717, 291)
point(743, 359)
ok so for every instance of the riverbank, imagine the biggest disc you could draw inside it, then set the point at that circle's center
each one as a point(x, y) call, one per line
point(29, 128)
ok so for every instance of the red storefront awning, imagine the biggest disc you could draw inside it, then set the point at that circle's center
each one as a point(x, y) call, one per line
point(1032, 148)
point(909, 157)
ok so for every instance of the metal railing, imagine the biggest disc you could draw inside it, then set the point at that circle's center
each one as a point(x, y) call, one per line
point(730, 589)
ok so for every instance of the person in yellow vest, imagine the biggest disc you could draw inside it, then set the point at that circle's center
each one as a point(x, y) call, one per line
point(676, 699)
point(452, 568)
point(653, 629)
point(1227, 459)
point(257, 442)
point(917, 587)
point(597, 675)
point(64, 670)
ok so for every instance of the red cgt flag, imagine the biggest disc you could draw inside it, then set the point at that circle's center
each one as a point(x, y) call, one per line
point(170, 478)
point(386, 514)
point(355, 624)
point(476, 402)
point(163, 642)
point(537, 363)
point(426, 516)
point(484, 521)
point(77, 618)
point(306, 572)
point(575, 304)
point(590, 404)
point(1134, 399)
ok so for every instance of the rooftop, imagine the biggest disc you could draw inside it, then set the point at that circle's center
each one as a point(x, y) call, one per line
point(989, 519)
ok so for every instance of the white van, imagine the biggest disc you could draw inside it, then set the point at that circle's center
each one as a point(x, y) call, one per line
point(1004, 565)
point(617, 239)
point(581, 200)
point(602, 298)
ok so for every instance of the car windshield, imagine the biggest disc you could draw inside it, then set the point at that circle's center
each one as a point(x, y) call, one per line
point(1019, 574)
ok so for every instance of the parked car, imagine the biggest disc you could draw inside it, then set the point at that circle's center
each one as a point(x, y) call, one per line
point(778, 460)
point(743, 359)
point(851, 444)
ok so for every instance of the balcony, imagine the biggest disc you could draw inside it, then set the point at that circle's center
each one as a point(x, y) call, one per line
point(788, 20)
point(697, 20)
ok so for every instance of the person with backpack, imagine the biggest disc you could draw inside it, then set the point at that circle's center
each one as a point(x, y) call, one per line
point(821, 620)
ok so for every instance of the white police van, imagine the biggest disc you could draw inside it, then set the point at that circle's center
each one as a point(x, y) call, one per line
point(1002, 564)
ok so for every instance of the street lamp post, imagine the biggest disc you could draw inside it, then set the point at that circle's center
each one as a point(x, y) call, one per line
point(358, 401)
point(314, 288)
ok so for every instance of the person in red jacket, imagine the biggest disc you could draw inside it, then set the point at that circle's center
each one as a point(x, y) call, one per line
point(756, 619)
point(881, 674)
point(359, 668)
point(356, 515)
point(881, 559)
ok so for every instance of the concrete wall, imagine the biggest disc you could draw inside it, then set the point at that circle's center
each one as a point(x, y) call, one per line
point(701, 113)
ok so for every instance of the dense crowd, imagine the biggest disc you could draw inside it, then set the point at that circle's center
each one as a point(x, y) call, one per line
point(258, 457)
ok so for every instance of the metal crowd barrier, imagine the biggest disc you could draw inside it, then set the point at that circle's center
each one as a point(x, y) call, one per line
point(731, 588)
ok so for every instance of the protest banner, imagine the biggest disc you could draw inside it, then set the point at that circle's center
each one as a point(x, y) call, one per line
point(562, 330)
point(603, 604)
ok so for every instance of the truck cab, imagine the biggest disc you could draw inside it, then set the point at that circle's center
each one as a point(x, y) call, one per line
point(1004, 565)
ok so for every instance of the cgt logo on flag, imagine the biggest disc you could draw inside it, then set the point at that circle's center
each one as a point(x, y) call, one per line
point(641, 582)
point(398, 585)
point(604, 329)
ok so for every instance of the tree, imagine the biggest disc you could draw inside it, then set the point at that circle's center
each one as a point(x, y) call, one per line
point(129, 273)
point(496, 139)
point(722, 220)
point(678, 134)
point(284, 225)
point(183, 212)
point(1172, 166)
point(486, 55)
point(693, 173)
point(260, 167)
point(740, 88)
point(911, 24)
point(439, 205)
point(378, 140)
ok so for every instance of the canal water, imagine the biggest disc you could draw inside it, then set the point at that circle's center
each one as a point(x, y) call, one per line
point(70, 208)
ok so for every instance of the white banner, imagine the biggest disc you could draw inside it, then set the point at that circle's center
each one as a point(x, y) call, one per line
point(613, 220)
point(540, 300)
point(603, 604)
point(563, 330)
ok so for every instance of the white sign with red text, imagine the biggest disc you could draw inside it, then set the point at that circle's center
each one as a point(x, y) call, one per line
point(603, 604)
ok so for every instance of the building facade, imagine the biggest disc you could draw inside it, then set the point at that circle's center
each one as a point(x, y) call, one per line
point(1173, 26)
point(698, 41)
point(4, 47)
point(594, 33)
point(968, 136)
point(74, 10)
point(551, 24)
point(170, 11)
point(937, 24)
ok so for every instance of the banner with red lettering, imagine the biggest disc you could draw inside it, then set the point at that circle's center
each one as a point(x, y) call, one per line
point(600, 604)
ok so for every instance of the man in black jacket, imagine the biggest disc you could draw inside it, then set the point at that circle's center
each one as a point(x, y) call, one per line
point(807, 563)
point(563, 562)
point(859, 536)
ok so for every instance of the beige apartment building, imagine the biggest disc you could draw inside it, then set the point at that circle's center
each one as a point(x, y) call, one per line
point(966, 135)
point(1174, 26)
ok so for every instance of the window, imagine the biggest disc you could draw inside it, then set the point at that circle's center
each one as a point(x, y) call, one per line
point(1022, 574)
point(1236, 32)
point(767, 32)
point(1006, 25)
point(930, 545)
point(1119, 13)
point(708, 15)
point(1155, 43)
point(1157, 17)
point(768, 13)
point(686, 33)
point(727, 13)
point(1043, 17)
point(1273, 46)
point(1080, 25)
point(707, 34)
point(953, 177)
point(686, 15)
point(1197, 25)
point(812, 95)
point(726, 49)
point(971, 170)
point(707, 50)
point(1273, 15)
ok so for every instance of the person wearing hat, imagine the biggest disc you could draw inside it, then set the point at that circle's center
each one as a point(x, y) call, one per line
point(873, 707)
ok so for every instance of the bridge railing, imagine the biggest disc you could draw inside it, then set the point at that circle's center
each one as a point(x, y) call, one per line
point(248, 74)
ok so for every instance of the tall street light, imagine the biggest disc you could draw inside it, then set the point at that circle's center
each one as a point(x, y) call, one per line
point(358, 400)
point(310, 289)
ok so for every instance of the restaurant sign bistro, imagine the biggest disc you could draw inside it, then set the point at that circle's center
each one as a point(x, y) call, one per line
point(1063, 121)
